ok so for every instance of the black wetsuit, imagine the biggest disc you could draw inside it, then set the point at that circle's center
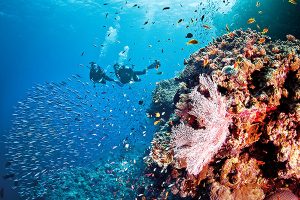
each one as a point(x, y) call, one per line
point(126, 74)
point(97, 74)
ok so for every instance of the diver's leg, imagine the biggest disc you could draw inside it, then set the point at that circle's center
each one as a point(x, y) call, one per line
point(116, 69)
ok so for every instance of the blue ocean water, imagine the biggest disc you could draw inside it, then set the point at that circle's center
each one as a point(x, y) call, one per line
point(49, 41)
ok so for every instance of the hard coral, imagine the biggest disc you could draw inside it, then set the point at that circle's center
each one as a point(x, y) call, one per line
point(258, 153)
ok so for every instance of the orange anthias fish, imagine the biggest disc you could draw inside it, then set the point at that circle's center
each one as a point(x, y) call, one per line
point(206, 26)
point(192, 41)
point(206, 61)
point(231, 34)
point(251, 20)
point(265, 30)
point(261, 40)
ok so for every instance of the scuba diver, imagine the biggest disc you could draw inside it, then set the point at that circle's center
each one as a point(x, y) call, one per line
point(97, 75)
point(126, 74)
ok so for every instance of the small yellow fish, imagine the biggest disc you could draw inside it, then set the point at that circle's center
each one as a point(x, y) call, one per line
point(206, 26)
point(293, 2)
point(257, 4)
point(157, 114)
point(192, 41)
point(251, 20)
point(156, 122)
point(265, 30)
point(227, 28)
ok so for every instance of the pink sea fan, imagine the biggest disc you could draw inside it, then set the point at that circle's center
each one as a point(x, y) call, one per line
point(198, 146)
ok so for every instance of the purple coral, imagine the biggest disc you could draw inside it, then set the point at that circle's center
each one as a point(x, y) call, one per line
point(197, 146)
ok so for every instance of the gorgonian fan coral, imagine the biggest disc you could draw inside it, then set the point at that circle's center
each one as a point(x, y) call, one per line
point(204, 129)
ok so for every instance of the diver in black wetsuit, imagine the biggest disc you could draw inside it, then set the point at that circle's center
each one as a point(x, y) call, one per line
point(97, 74)
point(126, 74)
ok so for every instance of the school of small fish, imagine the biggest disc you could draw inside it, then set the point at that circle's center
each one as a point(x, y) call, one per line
point(57, 128)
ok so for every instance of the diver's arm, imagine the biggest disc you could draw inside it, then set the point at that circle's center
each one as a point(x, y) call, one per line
point(140, 72)
point(108, 78)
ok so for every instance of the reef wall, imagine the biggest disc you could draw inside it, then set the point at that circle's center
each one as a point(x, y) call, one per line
point(232, 129)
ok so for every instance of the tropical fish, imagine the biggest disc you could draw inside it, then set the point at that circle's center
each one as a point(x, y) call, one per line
point(189, 35)
point(261, 40)
point(157, 114)
point(231, 34)
point(141, 102)
point(180, 20)
point(265, 30)
point(206, 26)
point(205, 61)
point(202, 17)
point(166, 8)
point(156, 122)
point(260, 12)
point(192, 41)
point(227, 28)
point(251, 20)
point(257, 4)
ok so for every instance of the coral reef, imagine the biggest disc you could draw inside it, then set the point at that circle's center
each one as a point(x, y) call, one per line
point(237, 137)
point(119, 179)
point(163, 97)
